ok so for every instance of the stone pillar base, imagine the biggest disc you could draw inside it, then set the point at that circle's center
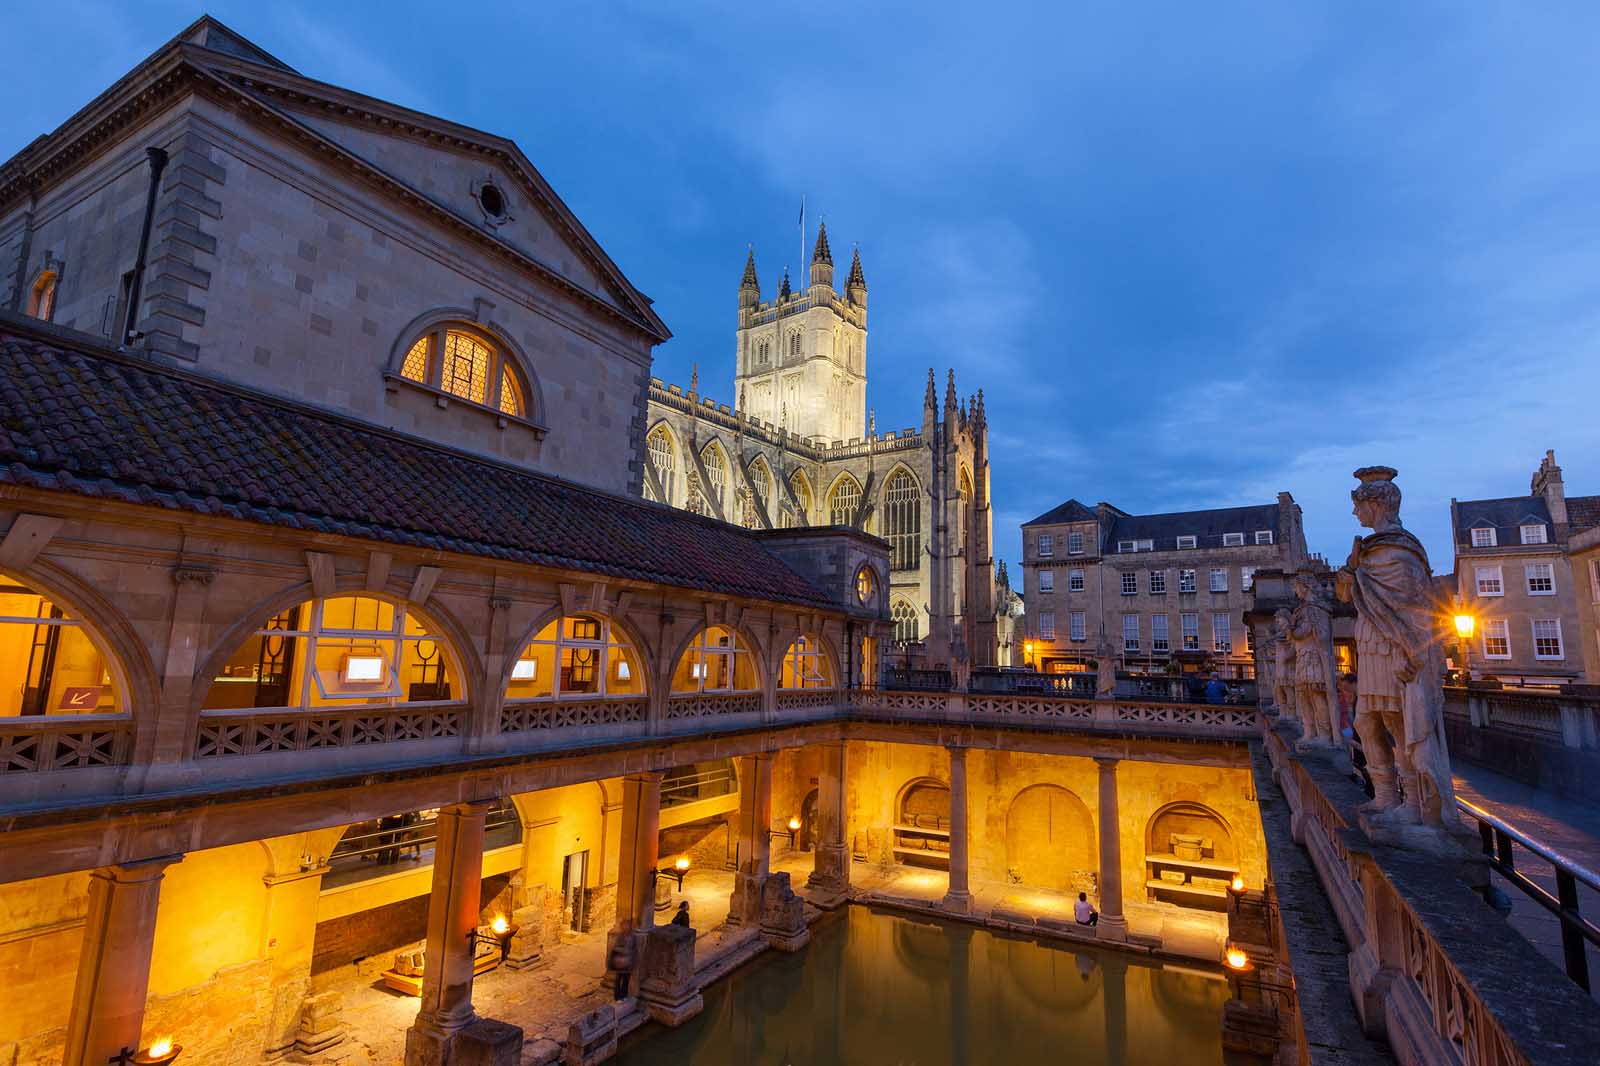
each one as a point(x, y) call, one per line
point(673, 1015)
point(786, 941)
point(487, 1042)
point(592, 1038)
point(430, 1047)
point(831, 869)
point(666, 968)
point(1115, 929)
point(744, 905)
point(957, 902)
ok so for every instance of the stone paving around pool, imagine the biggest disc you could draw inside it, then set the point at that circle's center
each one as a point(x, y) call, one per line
point(570, 980)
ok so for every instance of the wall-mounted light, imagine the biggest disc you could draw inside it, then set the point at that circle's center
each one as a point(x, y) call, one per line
point(624, 671)
point(504, 929)
point(697, 671)
point(677, 871)
point(160, 1052)
point(789, 830)
point(1236, 958)
point(359, 669)
point(525, 670)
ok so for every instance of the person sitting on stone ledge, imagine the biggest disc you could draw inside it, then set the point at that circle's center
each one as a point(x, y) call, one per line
point(682, 917)
point(1083, 912)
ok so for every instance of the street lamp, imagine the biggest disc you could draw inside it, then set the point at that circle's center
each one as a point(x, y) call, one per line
point(1465, 625)
point(1027, 654)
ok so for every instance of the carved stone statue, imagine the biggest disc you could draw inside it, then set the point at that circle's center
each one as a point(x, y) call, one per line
point(1400, 665)
point(1283, 666)
point(1105, 671)
point(1310, 627)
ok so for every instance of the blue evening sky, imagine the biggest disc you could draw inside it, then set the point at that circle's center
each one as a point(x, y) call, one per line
point(1193, 253)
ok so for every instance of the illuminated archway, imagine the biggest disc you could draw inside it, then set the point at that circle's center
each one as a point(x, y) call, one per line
point(1049, 838)
point(343, 651)
point(807, 664)
point(922, 824)
point(576, 656)
point(718, 659)
point(52, 662)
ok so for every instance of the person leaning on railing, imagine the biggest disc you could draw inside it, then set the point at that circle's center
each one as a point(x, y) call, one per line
point(1347, 729)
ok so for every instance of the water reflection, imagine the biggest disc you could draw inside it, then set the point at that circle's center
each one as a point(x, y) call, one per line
point(877, 989)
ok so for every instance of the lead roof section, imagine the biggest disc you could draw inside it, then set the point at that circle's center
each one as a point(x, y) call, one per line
point(99, 424)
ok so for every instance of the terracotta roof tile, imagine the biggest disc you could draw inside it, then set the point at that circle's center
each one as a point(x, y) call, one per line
point(91, 424)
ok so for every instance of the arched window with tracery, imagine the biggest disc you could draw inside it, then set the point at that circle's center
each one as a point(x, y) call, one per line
point(664, 457)
point(576, 656)
point(802, 498)
point(336, 652)
point(806, 665)
point(907, 628)
point(716, 465)
point(468, 365)
point(757, 499)
point(794, 345)
point(964, 487)
point(49, 662)
point(844, 502)
point(717, 660)
point(902, 521)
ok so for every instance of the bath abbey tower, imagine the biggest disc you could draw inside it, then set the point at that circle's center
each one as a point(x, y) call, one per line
point(798, 448)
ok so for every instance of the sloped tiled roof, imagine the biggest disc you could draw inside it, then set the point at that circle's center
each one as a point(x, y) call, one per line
point(1504, 515)
point(1207, 527)
point(1071, 511)
point(96, 424)
point(1583, 512)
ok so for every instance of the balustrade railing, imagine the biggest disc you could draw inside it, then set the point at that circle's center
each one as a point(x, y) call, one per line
point(35, 743)
point(259, 732)
point(532, 717)
point(1562, 718)
point(705, 704)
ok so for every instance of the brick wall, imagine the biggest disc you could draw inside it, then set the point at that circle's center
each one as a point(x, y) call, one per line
point(343, 941)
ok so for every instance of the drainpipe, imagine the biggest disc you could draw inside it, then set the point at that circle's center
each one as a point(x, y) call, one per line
point(158, 163)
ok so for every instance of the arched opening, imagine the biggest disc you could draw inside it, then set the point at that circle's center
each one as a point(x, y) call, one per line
point(51, 662)
point(717, 660)
point(715, 460)
point(807, 664)
point(697, 781)
point(465, 362)
point(343, 651)
point(922, 825)
point(801, 488)
point(42, 297)
point(844, 501)
point(761, 484)
point(1050, 839)
point(1190, 856)
point(663, 454)
point(907, 624)
point(902, 520)
point(576, 656)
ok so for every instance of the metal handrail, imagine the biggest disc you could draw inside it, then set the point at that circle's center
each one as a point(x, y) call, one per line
point(1498, 836)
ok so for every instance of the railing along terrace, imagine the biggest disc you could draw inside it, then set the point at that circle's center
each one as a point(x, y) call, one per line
point(33, 743)
point(1500, 840)
point(1432, 969)
point(1120, 716)
point(1563, 718)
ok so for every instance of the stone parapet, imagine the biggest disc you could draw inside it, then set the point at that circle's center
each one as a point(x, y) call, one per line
point(1435, 973)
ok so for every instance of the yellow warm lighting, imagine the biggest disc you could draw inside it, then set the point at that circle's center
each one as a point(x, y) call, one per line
point(1236, 959)
point(160, 1047)
point(682, 864)
point(500, 925)
point(1237, 885)
point(1465, 624)
point(794, 825)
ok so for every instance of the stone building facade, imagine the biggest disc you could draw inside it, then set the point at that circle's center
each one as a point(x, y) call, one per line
point(1155, 592)
point(799, 449)
point(1522, 567)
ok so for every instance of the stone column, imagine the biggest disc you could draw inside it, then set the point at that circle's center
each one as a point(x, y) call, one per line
point(446, 1006)
point(1113, 926)
point(755, 842)
point(114, 963)
point(958, 898)
point(639, 853)
point(830, 871)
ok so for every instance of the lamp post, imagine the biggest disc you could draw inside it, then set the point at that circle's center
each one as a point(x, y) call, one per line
point(1027, 654)
point(1465, 625)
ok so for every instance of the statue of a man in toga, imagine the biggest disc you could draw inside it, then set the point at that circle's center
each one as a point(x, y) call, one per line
point(1400, 665)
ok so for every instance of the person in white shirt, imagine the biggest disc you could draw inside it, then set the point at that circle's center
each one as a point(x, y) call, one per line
point(1084, 913)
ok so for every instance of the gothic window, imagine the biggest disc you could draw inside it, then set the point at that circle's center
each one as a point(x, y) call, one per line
point(42, 298)
point(764, 352)
point(802, 498)
point(578, 655)
point(806, 665)
point(49, 664)
point(902, 521)
point(964, 487)
point(794, 345)
point(761, 482)
point(844, 501)
point(469, 366)
point(344, 650)
point(716, 473)
point(716, 661)
point(664, 457)
point(905, 622)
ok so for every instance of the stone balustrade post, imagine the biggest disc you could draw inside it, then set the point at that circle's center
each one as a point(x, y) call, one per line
point(755, 841)
point(957, 898)
point(453, 905)
point(107, 1014)
point(830, 871)
point(1112, 926)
